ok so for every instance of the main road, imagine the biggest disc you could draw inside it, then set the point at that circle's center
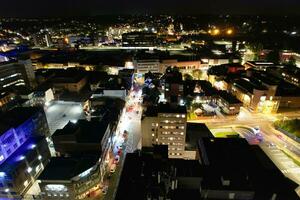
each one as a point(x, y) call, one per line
point(282, 150)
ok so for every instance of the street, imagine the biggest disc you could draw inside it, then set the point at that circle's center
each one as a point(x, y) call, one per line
point(130, 121)
point(282, 150)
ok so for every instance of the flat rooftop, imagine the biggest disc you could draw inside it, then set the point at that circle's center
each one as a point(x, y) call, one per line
point(15, 159)
point(65, 168)
point(195, 131)
point(140, 174)
point(247, 86)
point(84, 131)
point(16, 117)
point(153, 111)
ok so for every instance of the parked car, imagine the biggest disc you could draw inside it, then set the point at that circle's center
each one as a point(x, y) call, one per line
point(113, 168)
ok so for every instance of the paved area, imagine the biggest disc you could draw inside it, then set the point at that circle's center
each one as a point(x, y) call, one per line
point(59, 113)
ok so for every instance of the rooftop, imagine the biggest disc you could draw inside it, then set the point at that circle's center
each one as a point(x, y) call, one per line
point(65, 168)
point(247, 86)
point(195, 131)
point(16, 117)
point(228, 97)
point(139, 177)
point(84, 131)
point(25, 150)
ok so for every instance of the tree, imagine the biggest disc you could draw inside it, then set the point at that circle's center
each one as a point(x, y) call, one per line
point(292, 61)
point(197, 74)
point(187, 77)
point(256, 48)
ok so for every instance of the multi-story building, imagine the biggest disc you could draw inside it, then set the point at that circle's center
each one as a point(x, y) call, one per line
point(147, 65)
point(7, 99)
point(24, 150)
point(258, 65)
point(165, 124)
point(254, 95)
point(70, 178)
point(70, 80)
point(139, 39)
point(173, 85)
point(186, 66)
point(229, 103)
point(85, 147)
point(16, 74)
point(42, 40)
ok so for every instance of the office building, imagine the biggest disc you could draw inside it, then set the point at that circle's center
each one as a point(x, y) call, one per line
point(16, 74)
point(24, 150)
point(84, 150)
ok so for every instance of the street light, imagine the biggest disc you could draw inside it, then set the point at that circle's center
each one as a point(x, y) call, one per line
point(216, 31)
point(229, 31)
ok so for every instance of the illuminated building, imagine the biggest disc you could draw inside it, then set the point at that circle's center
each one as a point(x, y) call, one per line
point(258, 65)
point(165, 124)
point(229, 103)
point(42, 40)
point(16, 74)
point(85, 149)
point(139, 39)
point(24, 150)
point(186, 66)
point(147, 65)
point(6, 99)
point(70, 178)
point(253, 94)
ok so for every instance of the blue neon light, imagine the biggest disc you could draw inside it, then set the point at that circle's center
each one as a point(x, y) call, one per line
point(12, 139)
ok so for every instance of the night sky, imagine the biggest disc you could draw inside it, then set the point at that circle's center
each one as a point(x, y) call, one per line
point(28, 8)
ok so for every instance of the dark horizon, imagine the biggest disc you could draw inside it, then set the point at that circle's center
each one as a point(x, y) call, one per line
point(74, 8)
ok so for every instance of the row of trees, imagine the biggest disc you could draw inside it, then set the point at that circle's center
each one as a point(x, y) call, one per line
point(272, 56)
point(291, 126)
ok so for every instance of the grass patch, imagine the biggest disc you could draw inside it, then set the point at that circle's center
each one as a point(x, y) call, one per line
point(297, 162)
point(225, 134)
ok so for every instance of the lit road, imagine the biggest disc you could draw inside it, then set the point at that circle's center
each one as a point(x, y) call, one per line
point(131, 122)
point(280, 148)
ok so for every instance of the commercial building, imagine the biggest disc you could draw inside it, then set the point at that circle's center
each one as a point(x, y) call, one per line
point(139, 39)
point(24, 150)
point(184, 66)
point(253, 95)
point(258, 65)
point(7, 99)
point(70, 178)
point(85, 150)
point(16, 74)
point(165, 124)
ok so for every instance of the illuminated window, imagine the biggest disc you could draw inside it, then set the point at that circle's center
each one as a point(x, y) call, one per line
point(56, 187)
